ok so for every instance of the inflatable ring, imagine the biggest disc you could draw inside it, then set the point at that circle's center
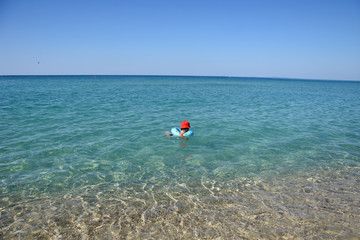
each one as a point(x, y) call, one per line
point(176, 132)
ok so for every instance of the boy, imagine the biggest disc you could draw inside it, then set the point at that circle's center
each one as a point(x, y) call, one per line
point(185, 126)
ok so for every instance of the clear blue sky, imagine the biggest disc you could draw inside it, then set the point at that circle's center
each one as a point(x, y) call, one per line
point(314, 39)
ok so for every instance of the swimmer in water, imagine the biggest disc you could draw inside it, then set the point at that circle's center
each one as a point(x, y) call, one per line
point(185, 127)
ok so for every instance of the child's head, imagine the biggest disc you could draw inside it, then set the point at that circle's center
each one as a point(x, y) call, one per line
point(185, 125)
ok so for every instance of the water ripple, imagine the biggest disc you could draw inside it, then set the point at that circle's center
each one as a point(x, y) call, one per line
point(84, 158)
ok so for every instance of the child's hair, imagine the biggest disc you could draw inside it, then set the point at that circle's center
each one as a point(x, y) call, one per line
point(186, 129)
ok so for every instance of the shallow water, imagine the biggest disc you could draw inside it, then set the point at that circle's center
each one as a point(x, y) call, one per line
point(87, 158)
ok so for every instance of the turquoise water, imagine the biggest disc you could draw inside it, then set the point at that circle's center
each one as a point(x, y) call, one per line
point(85, 157)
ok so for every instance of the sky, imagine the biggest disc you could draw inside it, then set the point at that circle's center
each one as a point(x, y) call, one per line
point(308, 39)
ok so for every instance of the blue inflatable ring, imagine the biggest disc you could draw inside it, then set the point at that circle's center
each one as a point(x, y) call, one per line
point(176, 132)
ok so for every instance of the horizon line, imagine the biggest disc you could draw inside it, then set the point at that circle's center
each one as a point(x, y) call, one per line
point(175, 75)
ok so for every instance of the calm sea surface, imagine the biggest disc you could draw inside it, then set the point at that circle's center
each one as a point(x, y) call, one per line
point(84, 157)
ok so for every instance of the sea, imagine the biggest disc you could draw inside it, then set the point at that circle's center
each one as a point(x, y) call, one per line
point(87, 157)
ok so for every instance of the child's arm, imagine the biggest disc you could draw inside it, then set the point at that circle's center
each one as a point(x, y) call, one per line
point(182, 133)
